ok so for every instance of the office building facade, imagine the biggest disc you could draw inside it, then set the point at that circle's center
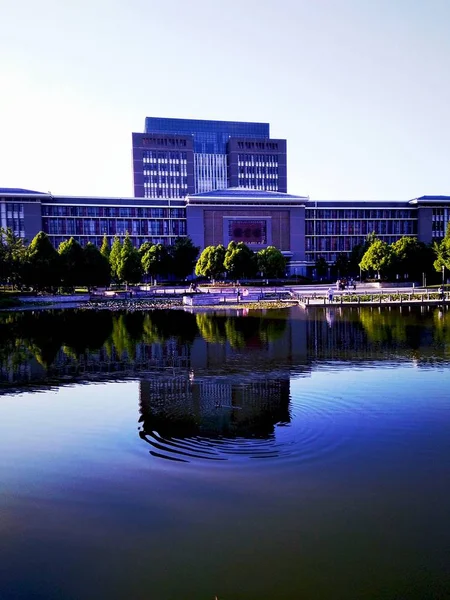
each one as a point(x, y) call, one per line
point(176, 157)
point(303, 229)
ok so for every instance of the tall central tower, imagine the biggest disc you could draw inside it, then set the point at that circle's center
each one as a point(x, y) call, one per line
point(176, 157)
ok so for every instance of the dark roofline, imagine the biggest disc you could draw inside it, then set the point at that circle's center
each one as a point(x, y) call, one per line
point(21, 192)
point(240, 192)
point(180, 119)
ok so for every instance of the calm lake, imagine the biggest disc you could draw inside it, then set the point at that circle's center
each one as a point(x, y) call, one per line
point(261, 455)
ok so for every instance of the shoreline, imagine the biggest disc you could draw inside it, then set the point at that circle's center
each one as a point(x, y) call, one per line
point(139, 305)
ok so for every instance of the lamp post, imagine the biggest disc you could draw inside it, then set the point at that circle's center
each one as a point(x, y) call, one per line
point(443, 274)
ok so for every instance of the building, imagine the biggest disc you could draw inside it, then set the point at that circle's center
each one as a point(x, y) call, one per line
point(303, 229)
point(88, 219)
point(21, 211)
point(176, 157)
point(257, 218)
point(334, 227)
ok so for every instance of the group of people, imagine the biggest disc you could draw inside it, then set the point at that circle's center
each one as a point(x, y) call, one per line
point(342, 284)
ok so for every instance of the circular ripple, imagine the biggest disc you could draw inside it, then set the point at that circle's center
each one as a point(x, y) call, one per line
point(313, 428)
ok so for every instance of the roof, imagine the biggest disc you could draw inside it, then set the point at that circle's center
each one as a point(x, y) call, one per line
point(18, 191)
point(240, 192)
point(447, 198)
point(430, 200)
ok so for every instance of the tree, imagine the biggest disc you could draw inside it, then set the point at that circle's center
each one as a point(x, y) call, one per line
point(97, 271)
point(155, 261)
point(240, 261)
point(410, 257)
point(105, 250)
point(114, 257)
point(13, 253)
point(145, 247)
point(3, 267)
point(377, 257)
point(442, 252)
point(358, 252)
point(43, 263)
point(129, 269)
point(72, 263)
point(183, 256)
point(321, 267)
point(210, 263)
point(271, 262)
point(342, 265)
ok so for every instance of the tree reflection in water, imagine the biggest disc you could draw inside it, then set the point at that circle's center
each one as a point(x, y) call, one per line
point(36, 345)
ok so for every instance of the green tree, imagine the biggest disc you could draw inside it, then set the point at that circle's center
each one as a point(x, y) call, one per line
point(271, 262)
point(321, 267)
point(145, 247)
point(3, 268)
point(240, 261)
point(114, 257)
point(155, 261)
point(183, 256)
point(210, 263)
point(13, 256)
point(105, 250)
point(129, 269)
point(97, 270)
point(71, 263)
point(442, 252)
point(410, 257)
point(377, 257)
point(43, 263)
point(358, 252)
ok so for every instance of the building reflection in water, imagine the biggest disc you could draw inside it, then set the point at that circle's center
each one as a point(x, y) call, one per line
point(179, 409)
point(57, 347)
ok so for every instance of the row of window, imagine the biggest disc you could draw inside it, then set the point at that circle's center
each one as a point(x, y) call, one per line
point(172, 158)
point(260, 183)
point(438, 225)
point(174, 142)
point(61, 226)
point(260, 159)
point(157, 192)
point(49, 210)
point(165, 172)
point(258, 145)
point(97, 240)
point(152, 190)
point(359, 213)
point(336, 244)
point(360, 227)
point(163, 180)
point(15, 224)
point(440, 212)
point(271, 172)
point(269, 185)
point(13, 210)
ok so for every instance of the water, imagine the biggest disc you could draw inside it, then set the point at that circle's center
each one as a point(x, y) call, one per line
point(278, 455)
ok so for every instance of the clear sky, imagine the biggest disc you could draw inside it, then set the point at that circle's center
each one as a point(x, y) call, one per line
point(360, 88)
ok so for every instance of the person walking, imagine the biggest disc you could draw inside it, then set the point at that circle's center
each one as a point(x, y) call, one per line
point(330, 295)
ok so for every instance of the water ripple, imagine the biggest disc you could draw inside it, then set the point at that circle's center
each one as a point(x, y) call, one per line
point(303, 428)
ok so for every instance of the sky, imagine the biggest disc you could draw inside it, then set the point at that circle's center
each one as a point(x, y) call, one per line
point(359, 88)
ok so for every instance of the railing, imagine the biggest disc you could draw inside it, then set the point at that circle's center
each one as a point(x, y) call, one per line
point(380, 297)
